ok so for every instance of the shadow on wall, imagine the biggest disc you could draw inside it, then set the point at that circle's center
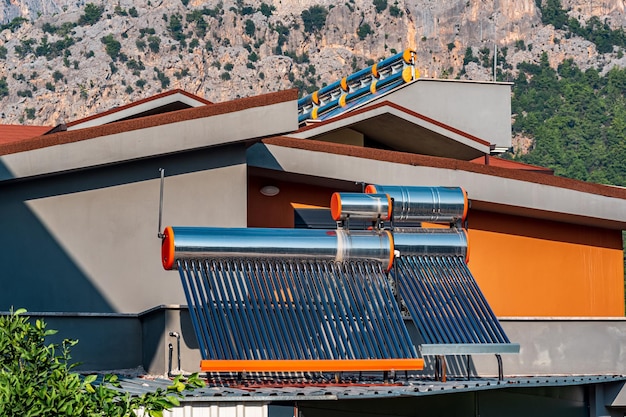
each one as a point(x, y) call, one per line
point(39, 274)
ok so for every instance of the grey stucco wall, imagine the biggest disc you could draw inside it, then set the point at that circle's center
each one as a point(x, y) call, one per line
point(562, 347)
point(480, 109)
point(547, 346)
point(86, 241)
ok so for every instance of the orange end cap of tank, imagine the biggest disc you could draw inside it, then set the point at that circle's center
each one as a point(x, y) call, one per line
point(407, 55)
point(335, 206)
point(315, 97)
point(167, 248)
point(407, 74)
point(465, 204)
point(370, 189)
point(375, 71)
point(373, 87)
point(344, 84)
point(392, 250)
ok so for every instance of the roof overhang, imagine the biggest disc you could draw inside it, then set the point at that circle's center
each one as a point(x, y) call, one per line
point(219, 124)
point(402, 129)
point(496, 189)
point(161, 103)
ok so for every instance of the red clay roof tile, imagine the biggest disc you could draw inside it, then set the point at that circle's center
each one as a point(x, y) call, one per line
point(15, 133)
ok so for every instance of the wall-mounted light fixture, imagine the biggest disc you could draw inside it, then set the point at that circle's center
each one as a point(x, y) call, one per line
point(269, 190)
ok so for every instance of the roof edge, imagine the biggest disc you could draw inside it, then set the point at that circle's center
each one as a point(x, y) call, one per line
point(60, 138)
point(447, 163)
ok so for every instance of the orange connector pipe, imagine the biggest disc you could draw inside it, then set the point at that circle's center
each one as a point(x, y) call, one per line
point(311, 365)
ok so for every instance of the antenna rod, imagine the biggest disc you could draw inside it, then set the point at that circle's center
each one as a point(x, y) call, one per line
point(159, 234)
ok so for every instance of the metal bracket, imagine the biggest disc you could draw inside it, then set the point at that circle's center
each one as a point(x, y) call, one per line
point(159, 234)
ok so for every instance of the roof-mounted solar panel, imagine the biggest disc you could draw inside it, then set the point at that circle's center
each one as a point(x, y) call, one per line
point(291, 299)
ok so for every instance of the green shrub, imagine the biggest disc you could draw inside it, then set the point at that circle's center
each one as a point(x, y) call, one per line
point(380, 5)
point(175, 27)
point(57, 75)
point(314, 18)
point(141, 44)
point(36, 379)
point(250, 28)
point(395, 11)
point(4, 87)
point(120, 11)
point(30, 114)
point(266, 10)
point(92, 14)
point(3, 52)
point(50, 86)
point(112, 46)
point(364, 30)
point(228, 66)
point(14, 24)
point(225, 76)
point(154, 43)
point(164, 79)
point(133, 12)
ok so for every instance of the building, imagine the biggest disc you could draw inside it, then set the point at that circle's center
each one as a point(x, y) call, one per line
point(80, 211)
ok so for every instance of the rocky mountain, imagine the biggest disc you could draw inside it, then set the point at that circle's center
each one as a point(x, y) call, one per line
point(62, 60)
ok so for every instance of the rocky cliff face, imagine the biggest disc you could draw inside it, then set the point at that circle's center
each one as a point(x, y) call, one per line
point(228, 49)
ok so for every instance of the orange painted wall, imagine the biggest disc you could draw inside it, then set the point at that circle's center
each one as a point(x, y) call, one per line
point(277, 211)
point(530, 267)
point(525, 267)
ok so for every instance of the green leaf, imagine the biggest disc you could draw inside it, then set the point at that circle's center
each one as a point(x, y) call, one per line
point(90, 378)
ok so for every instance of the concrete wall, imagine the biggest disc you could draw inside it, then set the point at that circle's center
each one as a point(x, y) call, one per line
point(557, 346)
point(480, 109)
point(86, 241)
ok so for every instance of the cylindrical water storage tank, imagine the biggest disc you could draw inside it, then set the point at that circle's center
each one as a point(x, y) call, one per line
point(186, 243)
point(368, 207)
point(434, 242)
point(424, 204)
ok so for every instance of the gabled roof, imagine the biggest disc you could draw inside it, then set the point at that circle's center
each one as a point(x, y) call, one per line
point(161, 103)
point(402, 129)
point(16, 133)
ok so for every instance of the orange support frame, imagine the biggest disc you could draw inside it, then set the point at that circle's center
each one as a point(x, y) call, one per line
point(311, 365)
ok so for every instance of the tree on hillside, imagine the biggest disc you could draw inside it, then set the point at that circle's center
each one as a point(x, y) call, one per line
point(314, 18)
point(93, 13)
